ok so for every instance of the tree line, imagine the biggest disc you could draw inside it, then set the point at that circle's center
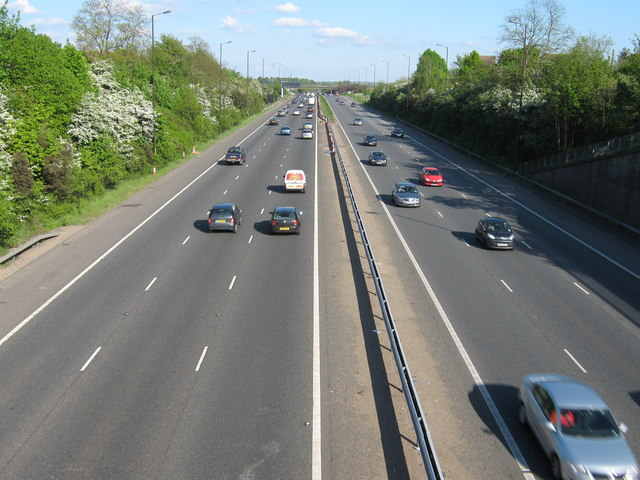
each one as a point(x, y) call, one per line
point(78, 120)
point(550, 90)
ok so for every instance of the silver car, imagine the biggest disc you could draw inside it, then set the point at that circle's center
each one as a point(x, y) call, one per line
point(405, 194)
point(575, 429)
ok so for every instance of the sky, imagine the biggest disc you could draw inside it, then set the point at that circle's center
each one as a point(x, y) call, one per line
point(333, 40)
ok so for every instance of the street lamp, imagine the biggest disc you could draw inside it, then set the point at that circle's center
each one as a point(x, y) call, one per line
point(387, 84)
point(408, 79)
point(250, 51)
point(445, 46)
point(220, 91)
point(153, 77)
point(374, 74)
point(522, 80)
point(247, 90)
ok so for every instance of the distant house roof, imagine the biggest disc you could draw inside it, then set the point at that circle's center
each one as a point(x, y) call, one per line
point(488, 60)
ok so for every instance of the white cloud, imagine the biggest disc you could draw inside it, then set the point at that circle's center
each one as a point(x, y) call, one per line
point(338, 33)
point(23, 6)
point(287, 7)
point(230, 23)
point(53, 21)
point(290, 22)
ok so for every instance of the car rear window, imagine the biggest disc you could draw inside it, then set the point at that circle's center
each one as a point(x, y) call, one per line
point(220, 213)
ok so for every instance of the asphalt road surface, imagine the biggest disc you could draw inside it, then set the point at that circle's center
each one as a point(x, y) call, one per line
point(145, 347)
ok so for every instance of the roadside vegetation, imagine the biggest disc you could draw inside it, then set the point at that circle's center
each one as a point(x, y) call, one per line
point(78, 128)
point(548, 91)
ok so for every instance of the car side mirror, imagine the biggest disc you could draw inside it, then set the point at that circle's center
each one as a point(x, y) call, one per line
point(208, 212)
point(270, 213)
point(623, 428)
point(301, 213)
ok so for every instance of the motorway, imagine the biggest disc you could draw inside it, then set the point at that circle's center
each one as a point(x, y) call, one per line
point(565, 300)
point(146, 347)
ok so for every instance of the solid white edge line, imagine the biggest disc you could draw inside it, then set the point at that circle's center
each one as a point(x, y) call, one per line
point(502, 426)
point(316, 440)
point(150, 284)
point(233, 280)
point(18, 327)
point(90, 359)
point(574, 360)
point(544, 219)
point(204, 352)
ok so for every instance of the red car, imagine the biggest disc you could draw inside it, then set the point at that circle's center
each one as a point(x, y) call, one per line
point(431, 176)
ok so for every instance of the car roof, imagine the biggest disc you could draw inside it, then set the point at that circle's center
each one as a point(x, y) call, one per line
point(284, 209)
point(569, 393)
point(221, 206)
point(404, 184)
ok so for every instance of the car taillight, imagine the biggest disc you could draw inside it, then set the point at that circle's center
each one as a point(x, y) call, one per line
point(210, 221)
point(273, 222)
point(296, 223)
point(231, 221)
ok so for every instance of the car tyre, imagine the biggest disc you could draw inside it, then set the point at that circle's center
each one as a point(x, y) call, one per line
point(556, 473)
point(522, 415)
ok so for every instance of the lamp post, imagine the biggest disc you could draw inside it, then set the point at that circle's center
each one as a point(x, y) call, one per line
point(387, 84)
point(522, 80)
point(408, 81)
point(446, 79)
point(374, 74)
point(447, 60)
point(153, 77)
point(220, 91)
point(247, 89)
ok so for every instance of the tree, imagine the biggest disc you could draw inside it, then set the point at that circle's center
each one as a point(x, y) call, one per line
point(108, 25)
point(431, 73)
point(579, 87)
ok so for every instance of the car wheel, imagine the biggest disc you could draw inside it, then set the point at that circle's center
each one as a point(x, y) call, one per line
point(522, 415)
point(556, 470)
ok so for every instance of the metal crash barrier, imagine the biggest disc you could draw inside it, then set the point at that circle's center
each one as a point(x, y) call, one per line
point(425, 444)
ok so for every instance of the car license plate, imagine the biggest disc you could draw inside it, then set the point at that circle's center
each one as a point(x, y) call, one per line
point(500, 244)
point(221, 221)
point(284, 228)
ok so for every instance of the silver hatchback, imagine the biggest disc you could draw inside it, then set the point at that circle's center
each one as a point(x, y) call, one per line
point(575, 429)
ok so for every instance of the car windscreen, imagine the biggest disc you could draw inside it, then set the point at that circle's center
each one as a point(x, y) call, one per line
point(588, 423)
point(499, 227)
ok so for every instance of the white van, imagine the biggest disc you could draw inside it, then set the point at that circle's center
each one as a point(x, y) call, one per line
point(295, 180)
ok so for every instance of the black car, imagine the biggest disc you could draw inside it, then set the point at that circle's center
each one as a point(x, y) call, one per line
point(274, 121)
point(285, 220)
point(236, 155)
point(378, 157)
point(224, 216)
point(370, 140)
point(397, 132)
point(495, 232)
